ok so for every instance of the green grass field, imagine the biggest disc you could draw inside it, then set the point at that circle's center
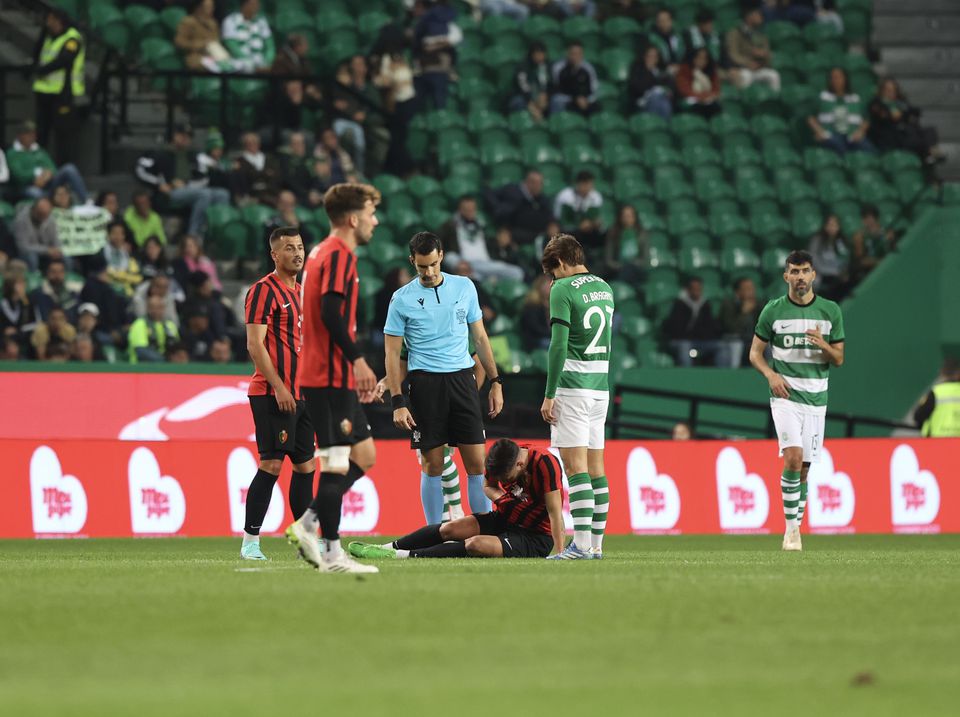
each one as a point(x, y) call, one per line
point(664, 626)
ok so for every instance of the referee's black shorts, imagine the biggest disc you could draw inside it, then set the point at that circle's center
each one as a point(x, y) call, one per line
point(446, 408)
point(516, 542)
point(337, 416)
point(281, 434)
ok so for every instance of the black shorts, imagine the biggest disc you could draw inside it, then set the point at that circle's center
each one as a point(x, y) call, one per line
point(337, 416)
point(282, 434)
point(516, 542)
point(446, 408)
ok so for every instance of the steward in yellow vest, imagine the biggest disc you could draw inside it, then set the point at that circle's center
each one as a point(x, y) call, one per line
point(939, 415)
point(59, 82)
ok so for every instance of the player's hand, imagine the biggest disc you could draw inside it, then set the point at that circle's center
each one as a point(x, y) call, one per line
point(816, 338)
point(403, 419)
point(495, 400)
point(366, 378)
point(285, 401)
point(546, 411)
point(380, 390)
point(778, 387)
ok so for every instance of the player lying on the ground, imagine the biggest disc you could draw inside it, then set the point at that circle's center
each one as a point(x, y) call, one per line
point(526, 487)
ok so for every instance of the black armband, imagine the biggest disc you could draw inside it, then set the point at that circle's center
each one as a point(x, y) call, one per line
point(399, 401)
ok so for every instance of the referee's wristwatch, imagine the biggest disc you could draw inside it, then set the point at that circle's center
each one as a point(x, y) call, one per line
point(497, 379)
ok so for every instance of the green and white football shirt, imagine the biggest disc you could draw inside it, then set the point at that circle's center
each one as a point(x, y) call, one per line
point(804, 367)
point(584, 302)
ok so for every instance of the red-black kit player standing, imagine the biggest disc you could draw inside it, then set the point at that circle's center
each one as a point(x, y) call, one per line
point(283, 428)
point(335, 377)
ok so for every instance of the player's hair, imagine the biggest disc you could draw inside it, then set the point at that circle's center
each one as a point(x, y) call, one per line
point(346, 198)
point(424, 243)
point(280, 232)
point(798, 257)
point(565, 248)
point(501, 457)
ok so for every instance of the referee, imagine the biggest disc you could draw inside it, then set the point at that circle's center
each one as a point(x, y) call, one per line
point(433, 316)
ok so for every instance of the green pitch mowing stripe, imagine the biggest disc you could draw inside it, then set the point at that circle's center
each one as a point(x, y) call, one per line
point(859, 625)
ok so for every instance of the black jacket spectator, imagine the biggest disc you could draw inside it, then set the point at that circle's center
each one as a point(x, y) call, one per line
point(523, 207)
point(691, 319)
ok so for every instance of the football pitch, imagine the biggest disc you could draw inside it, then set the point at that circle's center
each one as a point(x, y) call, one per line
point(690, 625)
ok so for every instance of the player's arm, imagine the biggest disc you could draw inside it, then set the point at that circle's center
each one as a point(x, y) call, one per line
point(492, 489)
point(485, 355)
point(256, 335)
point(778, 387)
point(833, 351)
point(557, 353)
point(554, 501)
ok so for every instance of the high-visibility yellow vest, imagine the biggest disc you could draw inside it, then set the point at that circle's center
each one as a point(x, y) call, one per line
point(945, 419)
point(52, 82)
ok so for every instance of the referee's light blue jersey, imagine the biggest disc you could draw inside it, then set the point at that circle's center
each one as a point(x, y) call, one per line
point(434, 323)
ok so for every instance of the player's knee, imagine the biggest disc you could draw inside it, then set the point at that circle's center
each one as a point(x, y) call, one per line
point(271, 466)
point(476, 547)
point(793, 459)
point(309, 466)
point(447, 531)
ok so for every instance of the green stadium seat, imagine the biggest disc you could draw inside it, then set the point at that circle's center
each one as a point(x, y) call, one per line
point(109, 22)
point(144, 22)
point(621, 28)
point(738, 240)
point(861, 161)
point(735, 258)
point(616, 61)
point(728, 225)
point(815, 158)
point(751, 190)
point(699, 155)
point(536, 27)
point(910, 186)
point(694, 240)
point(439, 120)
point(456, 187)
point(824, 38)
point(582, 29)
point(494, 152)
point(171, 17)
point(563, 122)
point(633, 328)
point(505, 173)
point(330, 19)
point(835, 190)
point(643, 123)
point(497, 26)
point(371, 22)
point(899, 160)
point(794, 191)
point(784, 37)
point(856, 23)
point(769, 227)
point(158, 53)
point(737, 156)
point(848, 212)
point(695, 259)
point(709, 189)
point(507, 295)
point(658, 257)
point(805, 220)
point(227, 230)
point(405, 221)
point(622, 291)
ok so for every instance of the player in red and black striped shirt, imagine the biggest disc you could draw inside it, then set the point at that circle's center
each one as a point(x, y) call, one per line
point(334, 376)
point(526, 487)
point(283, 427)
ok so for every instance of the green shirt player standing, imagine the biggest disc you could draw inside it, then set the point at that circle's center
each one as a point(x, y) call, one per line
point(577, 392)
point(806, 331)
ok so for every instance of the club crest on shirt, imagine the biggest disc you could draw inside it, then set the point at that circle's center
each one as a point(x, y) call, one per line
point(283, 436)
point(346, 426)
point(462, 315)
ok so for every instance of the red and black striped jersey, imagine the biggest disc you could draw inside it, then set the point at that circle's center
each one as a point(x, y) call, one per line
point(523, 502)
point(272, 303)
point(330, 268)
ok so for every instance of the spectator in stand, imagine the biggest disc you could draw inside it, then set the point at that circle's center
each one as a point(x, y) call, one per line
point(522, 206)
point(464, 239)
point(259, 174)
point(483, 297)
point(839, 123)
point(508, 8)
point(395, 80)
point(161, 287)
point(574, 83)
point(221, 351)
point(577, 208)
point(649, 88)
point(333, 165)
point(142, 221)
point(35, 232)
point(33, 172)
point(939, 415)
point(191, 259)
point(4, 175)
point(109, 201)
point(84, 350)
point(359, 121)
point(213, 165)
point(150, 335)
point(668, 43)
point(681, 432)
point(122, 268)
point(831, 260)
point(531, 83)
point(691, 327)
point(247, 37)
point(197, 335)
point(435, 36)
point(18, 317)
point(153, 259)
point(297, 171)
point(287, 216)
point(177, 353)
point(627, 247)
point(9, 347)
point(534, 322)
point(59, 68)
point(198, 38)
point(704, 34)
point(88, 317)
point(54, 291)
point(698, 85)
point(870, 243)
point(8, 246)
point(176, 178)
point(738, 319)
point(204, 294)
point(895, 124)
point(637, 10)
point(113, 320)
point(748, 51)
point(504, 249)
point(298, 93)
point(376, 135)
point(55, 330)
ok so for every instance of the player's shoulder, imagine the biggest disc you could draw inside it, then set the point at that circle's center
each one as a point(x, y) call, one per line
point(263, 284)
point(828, 306)
point(777, 302)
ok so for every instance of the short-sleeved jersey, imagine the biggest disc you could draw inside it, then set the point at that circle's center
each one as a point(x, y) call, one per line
point(523, 503)
point(331, 268)
point(435, 323)
point(273, 304)
point(584, 302)
point(804, 367)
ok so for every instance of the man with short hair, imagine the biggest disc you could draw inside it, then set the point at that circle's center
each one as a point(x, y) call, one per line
point(577, 392)
point(143, 221)
point(149, 336)
point(35, 232)
point(246, 35)
point(335, 377)
point(871, 242)
point(939, 414)
point(668, 42)
point(807, 334)
point(526, 487)
point(691, 327)
point(54, 291)
point(433, 316)
point(34, 174)
point(522, 206)
point(59, 67)
point(575, 83)
point(738, 317)
point(465, 237)
point(577, 208)
point(283, 426)
point(748, 50)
